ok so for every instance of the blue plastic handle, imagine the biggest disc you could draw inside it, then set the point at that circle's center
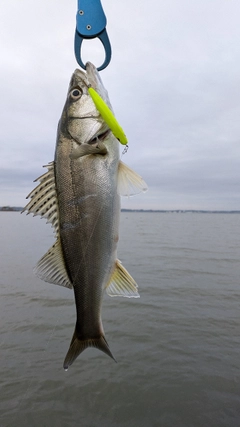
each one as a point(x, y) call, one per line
point(91, 19)
point(91, 23)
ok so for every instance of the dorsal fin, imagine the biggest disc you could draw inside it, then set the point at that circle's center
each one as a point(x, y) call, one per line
point(44, 198)
point(51, 267)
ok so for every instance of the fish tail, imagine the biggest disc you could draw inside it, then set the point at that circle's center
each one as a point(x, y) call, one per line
point(77, 346)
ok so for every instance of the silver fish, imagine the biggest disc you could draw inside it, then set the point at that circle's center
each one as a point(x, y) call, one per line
point(80, 196)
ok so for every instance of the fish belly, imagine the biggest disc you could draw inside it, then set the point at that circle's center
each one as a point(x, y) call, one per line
point(89, 209)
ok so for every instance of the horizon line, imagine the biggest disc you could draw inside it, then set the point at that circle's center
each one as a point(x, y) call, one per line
point(20, 208)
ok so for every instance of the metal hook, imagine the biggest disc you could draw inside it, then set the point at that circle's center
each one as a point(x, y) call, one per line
point(91, 23)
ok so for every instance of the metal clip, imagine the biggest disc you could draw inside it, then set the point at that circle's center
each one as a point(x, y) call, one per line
point(91, 23)
point(125, 150)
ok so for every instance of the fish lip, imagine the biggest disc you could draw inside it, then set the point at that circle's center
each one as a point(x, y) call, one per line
point(99, 137)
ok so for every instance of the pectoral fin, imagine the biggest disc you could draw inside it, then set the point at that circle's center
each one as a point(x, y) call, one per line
point(129, 182)
point(121, 283)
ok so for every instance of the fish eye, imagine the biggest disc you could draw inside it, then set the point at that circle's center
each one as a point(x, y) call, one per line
point(75, 94)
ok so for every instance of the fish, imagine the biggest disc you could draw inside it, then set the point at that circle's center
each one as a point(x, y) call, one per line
point(79, 196)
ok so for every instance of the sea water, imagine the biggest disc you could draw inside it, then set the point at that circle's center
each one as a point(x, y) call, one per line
point(177, 347)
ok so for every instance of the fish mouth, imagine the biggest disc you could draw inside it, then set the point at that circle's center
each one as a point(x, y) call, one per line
point(99, 137)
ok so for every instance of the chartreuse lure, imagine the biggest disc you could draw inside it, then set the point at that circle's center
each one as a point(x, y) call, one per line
point(108, 116)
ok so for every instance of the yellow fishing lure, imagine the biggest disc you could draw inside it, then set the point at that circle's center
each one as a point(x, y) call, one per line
point(108, 116)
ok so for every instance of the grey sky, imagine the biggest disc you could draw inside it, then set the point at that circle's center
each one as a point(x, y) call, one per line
point(174, 83)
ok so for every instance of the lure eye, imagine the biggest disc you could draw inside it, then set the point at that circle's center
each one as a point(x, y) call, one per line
point(75, 94)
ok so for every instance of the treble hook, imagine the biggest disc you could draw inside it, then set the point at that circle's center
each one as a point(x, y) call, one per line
point(91, 23)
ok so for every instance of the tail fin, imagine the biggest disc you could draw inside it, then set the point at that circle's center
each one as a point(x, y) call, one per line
point(77, 346)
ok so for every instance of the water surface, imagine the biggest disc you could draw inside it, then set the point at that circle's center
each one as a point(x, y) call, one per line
point(177, 347)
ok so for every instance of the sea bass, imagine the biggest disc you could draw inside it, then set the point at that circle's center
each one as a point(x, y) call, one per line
point(80, 196)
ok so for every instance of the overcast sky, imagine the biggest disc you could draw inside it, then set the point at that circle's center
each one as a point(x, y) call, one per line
point(174, 83)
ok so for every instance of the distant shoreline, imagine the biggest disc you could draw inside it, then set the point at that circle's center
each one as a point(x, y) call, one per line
point(185, 211)
point(180, 211)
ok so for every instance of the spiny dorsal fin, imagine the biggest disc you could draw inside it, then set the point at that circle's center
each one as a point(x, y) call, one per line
point(121, 283)
point(44, 198)
point(129, 182)
point(51, 267)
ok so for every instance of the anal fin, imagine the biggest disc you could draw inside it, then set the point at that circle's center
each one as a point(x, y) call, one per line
point(121, 283)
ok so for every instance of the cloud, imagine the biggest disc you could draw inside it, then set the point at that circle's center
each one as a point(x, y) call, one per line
point(173, 82)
